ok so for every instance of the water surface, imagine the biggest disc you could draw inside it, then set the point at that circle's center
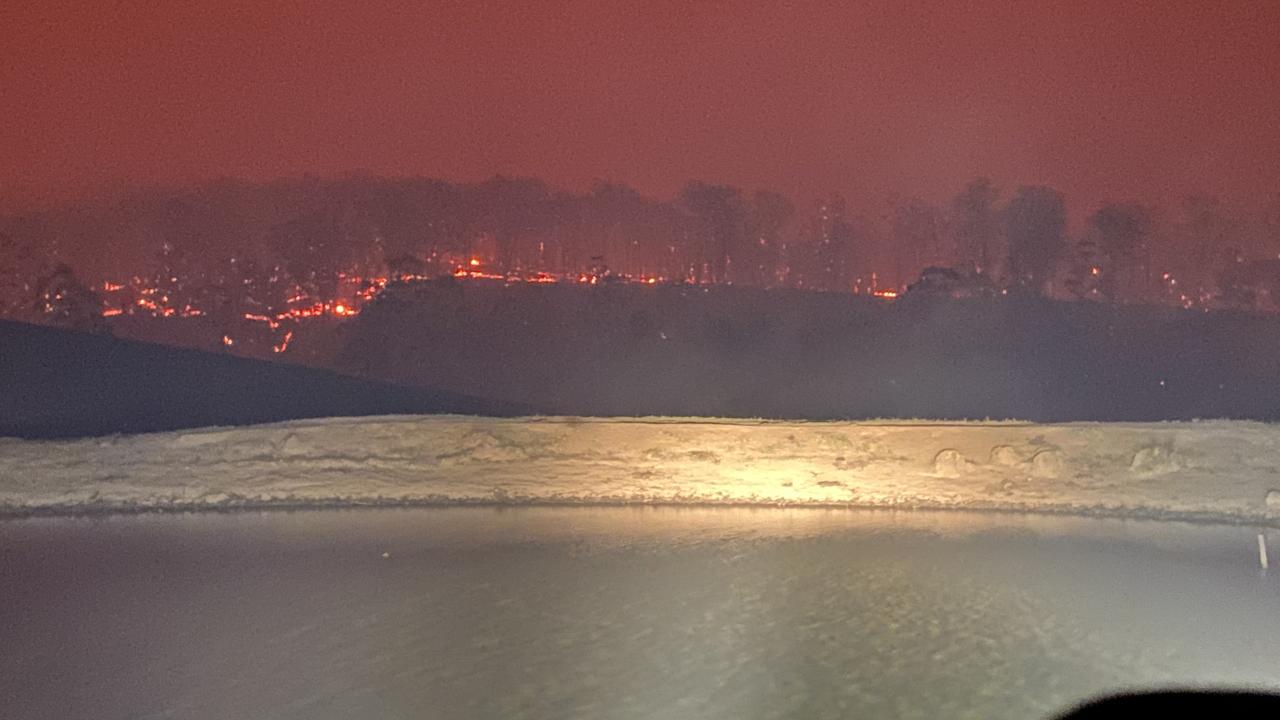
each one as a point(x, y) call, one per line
point(619, 613)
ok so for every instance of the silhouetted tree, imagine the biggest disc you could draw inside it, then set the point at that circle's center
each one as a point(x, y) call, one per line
point(175, 279)
point(1121, 230)
point(1213, 237)
point(720, 227)
point(17, 265)
point(313, 250)
point(917, 237)
point(1237, 290)
point(1084, 273)
point(62, 299)
point(832, 246)
point(770, 213)
point(511, 208)
point(1035, 223)
point(404, 266)
point(420, 218)
point(615, 224)
point(977, 226)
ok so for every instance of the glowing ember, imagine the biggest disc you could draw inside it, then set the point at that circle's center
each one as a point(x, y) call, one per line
point(462, 272)
point(138, 297)
point(284, 344)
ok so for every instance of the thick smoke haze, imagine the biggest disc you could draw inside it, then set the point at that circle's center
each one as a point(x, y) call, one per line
point(1147, 102)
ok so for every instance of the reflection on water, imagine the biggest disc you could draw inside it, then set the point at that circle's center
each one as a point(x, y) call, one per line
point(619, 613)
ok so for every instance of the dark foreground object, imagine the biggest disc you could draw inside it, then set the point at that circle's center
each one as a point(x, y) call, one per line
point(1180, 705)
point(57, 384)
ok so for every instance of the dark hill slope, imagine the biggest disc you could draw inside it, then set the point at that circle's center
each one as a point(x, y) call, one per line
point(731, 351)
point(56, 383)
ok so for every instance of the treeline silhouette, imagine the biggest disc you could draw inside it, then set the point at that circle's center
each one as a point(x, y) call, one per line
point(237, 245)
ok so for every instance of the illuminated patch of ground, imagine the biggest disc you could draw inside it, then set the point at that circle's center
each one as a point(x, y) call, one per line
point(1209, 470)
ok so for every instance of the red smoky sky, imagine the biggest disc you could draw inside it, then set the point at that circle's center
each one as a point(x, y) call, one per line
point(1103, 100)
